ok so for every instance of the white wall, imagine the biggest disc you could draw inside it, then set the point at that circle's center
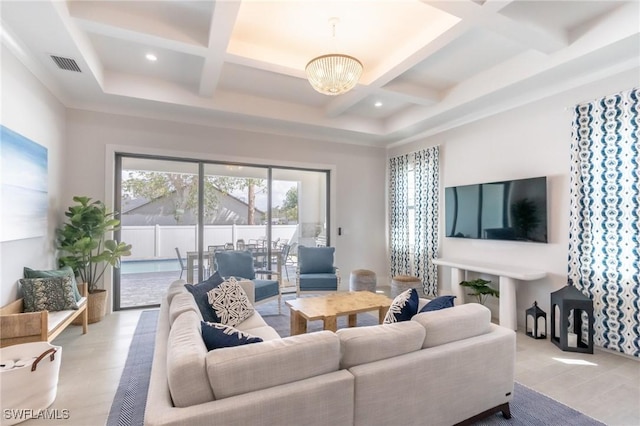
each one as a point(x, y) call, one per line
point(533, 140)
point(29, 109)
point(358, 178)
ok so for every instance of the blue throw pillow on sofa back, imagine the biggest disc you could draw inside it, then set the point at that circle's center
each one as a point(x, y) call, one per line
point(199, 292)
point(438, 303)
point(237, 264)
point(316, 260)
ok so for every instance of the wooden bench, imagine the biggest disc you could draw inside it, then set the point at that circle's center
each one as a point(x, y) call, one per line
point(17, 326)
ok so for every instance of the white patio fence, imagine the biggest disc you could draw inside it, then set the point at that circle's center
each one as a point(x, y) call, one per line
point(160, 242)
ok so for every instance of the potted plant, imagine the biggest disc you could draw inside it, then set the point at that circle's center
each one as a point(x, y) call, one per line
point(480, 289)
point(84, 246)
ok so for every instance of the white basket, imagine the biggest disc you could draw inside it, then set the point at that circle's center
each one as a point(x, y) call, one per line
point(25, 390)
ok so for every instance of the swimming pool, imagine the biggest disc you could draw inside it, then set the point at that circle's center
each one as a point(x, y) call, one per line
point(151, 265)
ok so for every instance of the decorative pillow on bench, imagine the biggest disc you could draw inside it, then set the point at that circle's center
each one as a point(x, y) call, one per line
point(48, 294)
point(217, 336)
point(65, 271)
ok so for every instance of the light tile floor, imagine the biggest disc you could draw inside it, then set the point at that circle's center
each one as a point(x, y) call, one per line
point(604, 385)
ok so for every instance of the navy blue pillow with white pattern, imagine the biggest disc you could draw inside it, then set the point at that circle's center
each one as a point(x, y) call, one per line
point(403, 307)
point(217, 336)
point(441, 302)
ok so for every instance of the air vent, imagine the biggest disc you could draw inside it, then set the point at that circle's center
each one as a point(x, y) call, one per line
point(66, 63)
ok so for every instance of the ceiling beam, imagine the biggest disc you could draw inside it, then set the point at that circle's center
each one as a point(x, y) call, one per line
point(412, 93)
point(488, 16)
point(224, 17)
point(346, 101)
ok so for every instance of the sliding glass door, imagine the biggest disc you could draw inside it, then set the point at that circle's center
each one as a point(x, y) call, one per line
point(177, 213)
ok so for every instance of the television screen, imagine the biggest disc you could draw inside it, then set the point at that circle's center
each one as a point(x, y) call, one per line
point(511, 210)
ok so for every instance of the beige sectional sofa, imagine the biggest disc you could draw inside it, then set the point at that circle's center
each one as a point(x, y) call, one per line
point(440, 368)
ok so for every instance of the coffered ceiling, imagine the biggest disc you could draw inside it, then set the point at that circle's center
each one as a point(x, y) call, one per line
point(428, 65)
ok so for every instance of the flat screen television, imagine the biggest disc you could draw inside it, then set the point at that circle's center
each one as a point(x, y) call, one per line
point(513, 210)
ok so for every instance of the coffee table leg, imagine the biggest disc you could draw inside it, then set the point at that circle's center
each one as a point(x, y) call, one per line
point(298, 323)
point(353, 320)
point(382, 312)
point(330, 323)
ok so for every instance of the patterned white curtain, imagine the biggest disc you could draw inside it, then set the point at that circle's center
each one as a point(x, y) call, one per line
point(604, 241)
point(398, 221)
point(427, 188)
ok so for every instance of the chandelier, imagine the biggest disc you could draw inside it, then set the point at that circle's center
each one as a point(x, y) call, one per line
point(333, 74)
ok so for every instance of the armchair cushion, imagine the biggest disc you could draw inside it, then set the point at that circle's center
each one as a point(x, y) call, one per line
point(265, 289)
point(237, 264)
point(316, 260)
point(318, 282)
point(199, 292)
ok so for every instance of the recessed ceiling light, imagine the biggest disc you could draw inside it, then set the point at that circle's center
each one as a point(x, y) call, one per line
point(151, 57)
point(378, 104)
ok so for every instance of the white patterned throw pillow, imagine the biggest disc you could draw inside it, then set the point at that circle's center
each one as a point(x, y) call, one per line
point(230, 303)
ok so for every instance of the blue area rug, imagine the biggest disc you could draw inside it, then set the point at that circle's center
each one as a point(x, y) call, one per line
point(129, 403)
point(528, 407)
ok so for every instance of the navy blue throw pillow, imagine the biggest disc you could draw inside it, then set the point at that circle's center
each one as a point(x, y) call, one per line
point(199, 292)
point(217, 336)
point(438, 303)
point(403, 307)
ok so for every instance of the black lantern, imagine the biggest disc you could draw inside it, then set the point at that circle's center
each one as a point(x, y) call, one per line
point(569, 299)
point(535, 313)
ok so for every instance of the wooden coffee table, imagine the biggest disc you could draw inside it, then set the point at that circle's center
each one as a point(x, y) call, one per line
point(328, 308)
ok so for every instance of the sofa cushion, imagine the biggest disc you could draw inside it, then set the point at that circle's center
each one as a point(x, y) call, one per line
point(218, 336)
point(316, 260)
point(180, 304)
point(247, 368)
point(441, 302)
point(199, 292)
point(48, 294)
point(360, 345)
point(403, 307)
point(186, 367)
point(65, 271)
point(230, 303)
point(237, 264)
point(265, 332)
point(457, 323)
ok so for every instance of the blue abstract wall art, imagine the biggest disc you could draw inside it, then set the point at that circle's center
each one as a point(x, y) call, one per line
point(23, 187)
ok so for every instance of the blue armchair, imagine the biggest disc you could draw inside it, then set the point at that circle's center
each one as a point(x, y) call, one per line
point(315, 272)
point(239, 264)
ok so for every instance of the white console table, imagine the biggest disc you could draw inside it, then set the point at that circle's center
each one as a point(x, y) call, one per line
point(507, 274)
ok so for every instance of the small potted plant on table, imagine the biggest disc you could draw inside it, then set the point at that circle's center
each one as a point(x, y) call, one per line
point(84, 245)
